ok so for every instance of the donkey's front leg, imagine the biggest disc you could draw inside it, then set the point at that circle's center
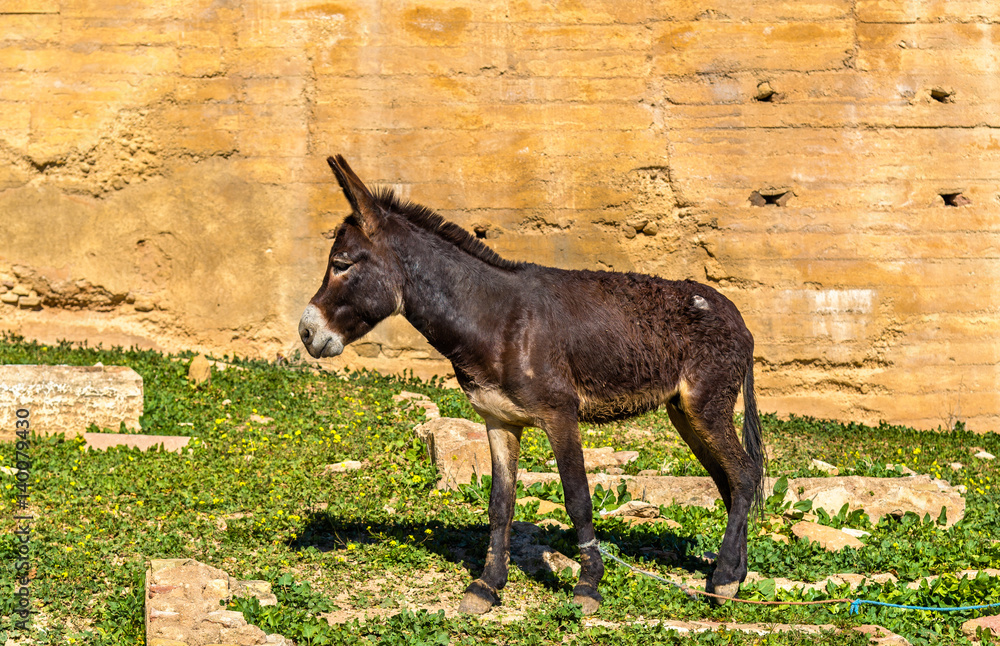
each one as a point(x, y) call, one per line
point(505, 447)
point(564, 436)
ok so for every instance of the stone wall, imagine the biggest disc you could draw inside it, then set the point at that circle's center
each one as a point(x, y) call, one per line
point(830, 165)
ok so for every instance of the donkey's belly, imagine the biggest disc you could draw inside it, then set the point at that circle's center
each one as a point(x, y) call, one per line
point(493, 403)
point(609, 409)
point(490, 402)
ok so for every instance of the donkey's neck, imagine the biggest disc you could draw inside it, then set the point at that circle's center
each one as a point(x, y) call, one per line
point(450, 296)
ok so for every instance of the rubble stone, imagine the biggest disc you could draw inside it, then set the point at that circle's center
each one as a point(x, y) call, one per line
point(184, 606)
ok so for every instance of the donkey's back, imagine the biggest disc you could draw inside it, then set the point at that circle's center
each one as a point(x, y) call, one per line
point(632, 341)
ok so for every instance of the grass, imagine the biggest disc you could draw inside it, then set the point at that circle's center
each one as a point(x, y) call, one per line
point(249, 499)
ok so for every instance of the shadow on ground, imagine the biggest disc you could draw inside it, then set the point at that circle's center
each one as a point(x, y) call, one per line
point(467, 544)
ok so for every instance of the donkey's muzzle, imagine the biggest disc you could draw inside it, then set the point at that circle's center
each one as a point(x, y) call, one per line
point(320, 340)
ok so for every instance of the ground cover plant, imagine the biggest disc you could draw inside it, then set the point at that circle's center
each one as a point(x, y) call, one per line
point(387, 555)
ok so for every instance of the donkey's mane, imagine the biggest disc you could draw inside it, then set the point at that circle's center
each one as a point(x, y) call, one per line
point(429, 221)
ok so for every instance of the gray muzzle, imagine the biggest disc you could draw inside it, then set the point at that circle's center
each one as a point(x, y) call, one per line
point(319, 340)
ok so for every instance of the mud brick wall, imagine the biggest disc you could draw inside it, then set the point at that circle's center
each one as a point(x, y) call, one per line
point(833, 166)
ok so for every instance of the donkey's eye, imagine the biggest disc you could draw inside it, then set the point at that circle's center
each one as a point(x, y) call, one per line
point(341, 264)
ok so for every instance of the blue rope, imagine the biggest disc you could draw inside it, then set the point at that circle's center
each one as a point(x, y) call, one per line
point(858, 602)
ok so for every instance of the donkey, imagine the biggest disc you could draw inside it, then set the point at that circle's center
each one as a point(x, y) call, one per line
point(545, 347)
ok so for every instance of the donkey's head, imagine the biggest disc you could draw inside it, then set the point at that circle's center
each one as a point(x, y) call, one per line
point(363, 283)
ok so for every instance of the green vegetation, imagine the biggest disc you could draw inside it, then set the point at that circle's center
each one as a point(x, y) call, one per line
point(250, 498)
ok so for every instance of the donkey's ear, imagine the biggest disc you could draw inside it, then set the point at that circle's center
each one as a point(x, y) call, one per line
point(361, 199)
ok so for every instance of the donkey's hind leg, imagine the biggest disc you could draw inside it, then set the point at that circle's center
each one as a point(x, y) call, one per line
point(505, 447)
point(705, 421)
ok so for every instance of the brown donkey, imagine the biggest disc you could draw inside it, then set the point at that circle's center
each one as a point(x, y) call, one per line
point(544, 347)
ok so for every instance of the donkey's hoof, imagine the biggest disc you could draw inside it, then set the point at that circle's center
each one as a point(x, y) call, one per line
point(728, 590)
point(587, 598)
point(478, 599)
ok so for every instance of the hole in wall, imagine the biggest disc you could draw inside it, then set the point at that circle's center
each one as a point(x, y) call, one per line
point(771, 196)
point(480, 232)
point(954, 198)
point(942, 95)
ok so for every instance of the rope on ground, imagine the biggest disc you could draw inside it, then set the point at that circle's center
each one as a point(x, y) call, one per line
point(855, 603)
point(691, 591)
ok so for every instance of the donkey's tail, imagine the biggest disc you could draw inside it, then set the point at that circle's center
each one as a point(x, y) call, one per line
point(752, 442)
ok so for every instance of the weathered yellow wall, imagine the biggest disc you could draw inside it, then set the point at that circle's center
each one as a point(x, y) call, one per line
point(162, 174)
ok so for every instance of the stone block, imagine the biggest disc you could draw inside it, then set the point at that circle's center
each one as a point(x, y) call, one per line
point(272, 62)
point(30, 303)
point(825, 467)
point(342, 467)
point(890, 11)
point(199, 370)
point(559, 37)
point(882, 496)
point(754, 10)
point(200, 62)
point(830, 539)
point(34, 7)
point(205, 90)
point(606, 457)
point(691, 48)
point(144, 304)
point(459, 448)
point(990, 623)
point(544, 506)
point(635, 509)
point(68, 399)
